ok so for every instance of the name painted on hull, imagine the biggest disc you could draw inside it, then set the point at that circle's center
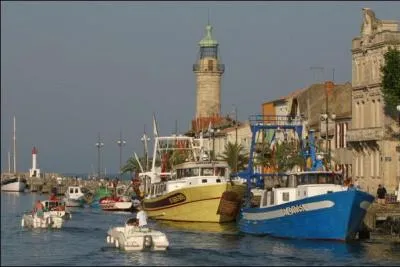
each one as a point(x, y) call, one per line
point(293, 210)
point(171, 200)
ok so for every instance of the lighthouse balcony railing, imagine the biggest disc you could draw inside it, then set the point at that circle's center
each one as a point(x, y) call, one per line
point(275, 120)
point(205, 67)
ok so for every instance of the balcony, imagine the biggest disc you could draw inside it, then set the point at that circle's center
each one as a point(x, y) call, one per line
point(212, 68)
point(365, 134)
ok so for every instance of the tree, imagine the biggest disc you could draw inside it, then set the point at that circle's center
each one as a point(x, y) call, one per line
point(131, 166)
point(391, 81)
point(264, 155)
point(288, 155)
point(234, 155)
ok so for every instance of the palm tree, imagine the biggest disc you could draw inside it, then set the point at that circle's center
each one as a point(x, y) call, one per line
point(264, 155)
point(131, 166)
point(288, 155)
point(177, 157)
point(235, 156)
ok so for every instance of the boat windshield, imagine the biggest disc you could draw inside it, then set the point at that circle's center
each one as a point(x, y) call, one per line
point(318, 178)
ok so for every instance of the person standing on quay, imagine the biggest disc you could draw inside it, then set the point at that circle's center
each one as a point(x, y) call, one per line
point(381, 193)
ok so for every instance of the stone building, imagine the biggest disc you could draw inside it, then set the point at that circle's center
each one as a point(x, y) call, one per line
point(370, 137)
point(208, 70)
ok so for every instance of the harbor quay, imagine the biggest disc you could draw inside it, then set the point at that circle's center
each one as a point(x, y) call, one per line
point(48, 181)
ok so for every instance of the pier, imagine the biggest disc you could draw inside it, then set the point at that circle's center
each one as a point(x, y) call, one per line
point(383, 221)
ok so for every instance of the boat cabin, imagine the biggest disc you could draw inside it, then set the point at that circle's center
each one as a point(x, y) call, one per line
point(191, 174)
point(300, 185)
point(74, 192)
point(49, 204)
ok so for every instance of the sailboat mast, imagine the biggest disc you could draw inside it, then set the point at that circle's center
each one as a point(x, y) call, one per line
point(9, 162)
point(14, 152)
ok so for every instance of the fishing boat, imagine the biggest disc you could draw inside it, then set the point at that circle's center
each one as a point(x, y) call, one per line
point(56, 208)
point(311, 204)
point(119, 201)
point(116, 203)
point(198, 189)
point(13, 182)
point(74, 197)
point(133, 238)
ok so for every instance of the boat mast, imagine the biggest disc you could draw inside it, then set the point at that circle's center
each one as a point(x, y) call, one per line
point(9, 162)
point(14, 153)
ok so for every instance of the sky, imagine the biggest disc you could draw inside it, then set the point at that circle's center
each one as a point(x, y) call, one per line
point(71, 70)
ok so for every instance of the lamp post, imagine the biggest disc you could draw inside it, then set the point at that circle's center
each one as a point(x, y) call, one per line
point(325, 117)
point(120, 143)
point(99, 145)
point(236, 136)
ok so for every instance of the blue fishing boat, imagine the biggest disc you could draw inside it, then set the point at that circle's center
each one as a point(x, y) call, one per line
point(312, 203)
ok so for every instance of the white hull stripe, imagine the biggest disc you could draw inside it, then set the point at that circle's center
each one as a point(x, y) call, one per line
point(258, 216)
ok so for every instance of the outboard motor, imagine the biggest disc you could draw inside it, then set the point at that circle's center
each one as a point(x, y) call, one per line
point(147, 242)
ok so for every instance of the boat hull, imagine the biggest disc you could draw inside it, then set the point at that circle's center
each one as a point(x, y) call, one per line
point(74, 202)
point(49, 221)
point(17, 186)
point(116, 206)
point(335, 216)
point(132, 238)
point(193, 204)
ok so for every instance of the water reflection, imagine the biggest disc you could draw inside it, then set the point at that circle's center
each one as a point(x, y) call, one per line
point(227, 228)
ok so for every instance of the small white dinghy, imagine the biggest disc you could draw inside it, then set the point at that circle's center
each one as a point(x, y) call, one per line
point(48, 220)
point(134, 238)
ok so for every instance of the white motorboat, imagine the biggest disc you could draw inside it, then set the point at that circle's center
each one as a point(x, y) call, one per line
point(48, 220)
point(74, 197)
point(13, 184)
point(134, 238)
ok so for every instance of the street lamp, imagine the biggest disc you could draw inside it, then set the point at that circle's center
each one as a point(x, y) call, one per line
point(120, 143)
point(326, 117)
point(212, 132)
point(99, 145)
point(236, 123)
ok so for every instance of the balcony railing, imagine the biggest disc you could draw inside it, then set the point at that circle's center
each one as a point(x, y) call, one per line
point(365, 134)
point(204, 67)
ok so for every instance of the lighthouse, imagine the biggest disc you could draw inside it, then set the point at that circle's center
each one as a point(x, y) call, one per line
point(208, 70)
point(34, 172)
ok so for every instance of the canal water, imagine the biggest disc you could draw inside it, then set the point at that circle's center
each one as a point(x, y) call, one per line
point(82, 241)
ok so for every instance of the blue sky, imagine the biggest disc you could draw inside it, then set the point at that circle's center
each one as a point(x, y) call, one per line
point(72, 69)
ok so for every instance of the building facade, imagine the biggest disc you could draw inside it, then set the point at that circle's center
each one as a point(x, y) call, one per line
point(375, 158)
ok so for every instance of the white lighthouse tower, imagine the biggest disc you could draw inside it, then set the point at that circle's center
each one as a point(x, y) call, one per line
point(34, 172)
